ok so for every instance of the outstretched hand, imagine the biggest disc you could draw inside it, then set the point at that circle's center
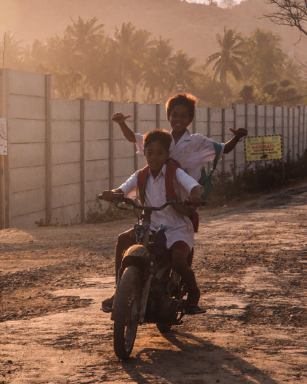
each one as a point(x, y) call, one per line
point(239, 132)
point(119, 117)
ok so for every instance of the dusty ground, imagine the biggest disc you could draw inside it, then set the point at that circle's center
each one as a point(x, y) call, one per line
point(250, 263)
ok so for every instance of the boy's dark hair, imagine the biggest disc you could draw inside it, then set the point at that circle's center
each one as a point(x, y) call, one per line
point(161, 135)
point(185, 99)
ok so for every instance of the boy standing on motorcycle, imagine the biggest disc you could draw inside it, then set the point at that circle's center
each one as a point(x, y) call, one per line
point(190, 150)
point(180, 233)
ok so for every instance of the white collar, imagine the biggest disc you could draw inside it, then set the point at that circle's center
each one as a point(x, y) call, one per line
point(162, 172)
point(185, 137)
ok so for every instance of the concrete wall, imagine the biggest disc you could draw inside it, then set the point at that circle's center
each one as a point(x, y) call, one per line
point(62, 153)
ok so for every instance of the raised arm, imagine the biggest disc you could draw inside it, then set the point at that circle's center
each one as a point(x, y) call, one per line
point(238, 134)
point(120, 119)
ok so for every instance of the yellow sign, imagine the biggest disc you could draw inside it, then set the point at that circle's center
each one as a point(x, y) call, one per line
point(263, 148)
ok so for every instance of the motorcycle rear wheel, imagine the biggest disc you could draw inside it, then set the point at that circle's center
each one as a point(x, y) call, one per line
point(126, 312)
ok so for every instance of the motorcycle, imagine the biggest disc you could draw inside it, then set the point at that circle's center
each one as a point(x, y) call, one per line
point(147, 291)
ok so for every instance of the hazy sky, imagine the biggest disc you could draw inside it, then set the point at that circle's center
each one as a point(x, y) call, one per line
point(204, 1)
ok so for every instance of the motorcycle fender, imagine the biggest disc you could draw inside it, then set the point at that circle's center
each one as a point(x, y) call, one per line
point(136, 255)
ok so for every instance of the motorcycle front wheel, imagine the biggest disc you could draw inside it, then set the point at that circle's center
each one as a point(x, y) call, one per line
point(126, 312)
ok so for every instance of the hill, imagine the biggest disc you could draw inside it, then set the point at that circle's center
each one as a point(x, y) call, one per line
point(190, 26)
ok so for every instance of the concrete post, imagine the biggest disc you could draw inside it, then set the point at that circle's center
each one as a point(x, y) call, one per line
point(303, 138)
point(48, 149)
point(4, 161)
point(82, 160)
point(234, 107)
point(293, 134)
point(111, 146)
point(288, 126)
point(194, 123)
point(136, 129)
point(256, 120)
point(223, 138)
point(209, 129)
point(158, 120)
point(283, 129)
point(299, 131)
point(265, 120)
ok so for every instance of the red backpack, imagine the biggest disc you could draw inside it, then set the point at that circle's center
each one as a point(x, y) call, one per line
point(171, 167)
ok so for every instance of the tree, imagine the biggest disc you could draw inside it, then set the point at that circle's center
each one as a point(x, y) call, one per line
point(229, 59)
point(11, 51)
point(182, 76)
point(85, 37)
point(289, 12)
point(264, 58)
point(35, 56)
point(156, 71)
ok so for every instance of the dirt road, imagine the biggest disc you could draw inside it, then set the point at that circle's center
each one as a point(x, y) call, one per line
point(250, 264)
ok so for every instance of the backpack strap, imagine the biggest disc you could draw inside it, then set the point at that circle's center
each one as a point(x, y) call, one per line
point(169, 177)
point(218, 150)
point(142, 178)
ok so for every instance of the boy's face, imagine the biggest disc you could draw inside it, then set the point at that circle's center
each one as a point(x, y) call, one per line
point(179, 118)
point(155, 155)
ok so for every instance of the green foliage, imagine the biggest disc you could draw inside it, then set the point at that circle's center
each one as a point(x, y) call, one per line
point(229, 59)
point(257, 180)
point(131, 66)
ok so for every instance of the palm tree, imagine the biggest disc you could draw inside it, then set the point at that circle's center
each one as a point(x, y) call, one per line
point(229, 59)
point(85, 36)
point(156, 70)
point(182, 77)
point(11, 51)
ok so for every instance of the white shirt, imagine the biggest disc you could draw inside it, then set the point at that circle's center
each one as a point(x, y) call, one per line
point(180, 227)
point(191, 151)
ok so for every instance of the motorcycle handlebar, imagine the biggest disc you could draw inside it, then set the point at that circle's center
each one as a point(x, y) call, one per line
point(119, 198)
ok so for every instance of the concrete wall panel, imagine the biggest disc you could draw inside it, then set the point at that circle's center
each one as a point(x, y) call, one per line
point(25, 202)
point(26, 83)
point(26, 131)
point(147, 112)
point(216, 115)
point(240, 109)
point(65, 153)
point(97, 150)
point(96, 110)
point(124, 167)
point(27, 155)
point(146, 126)
point(202, 114)
point(65, 195)
point(202, 128)
point(96, 170)
point(216, 128)
point(26, 107)
point(63, 174)
point(123, 148)
point(65, 131)
point(97, 130)
point(25, 179)
point(64, 109)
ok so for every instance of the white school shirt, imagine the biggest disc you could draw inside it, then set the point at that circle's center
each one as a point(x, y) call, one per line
point(191, 151)
point(180, 227)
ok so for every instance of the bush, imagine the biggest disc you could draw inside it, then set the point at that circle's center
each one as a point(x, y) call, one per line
point(258, 180)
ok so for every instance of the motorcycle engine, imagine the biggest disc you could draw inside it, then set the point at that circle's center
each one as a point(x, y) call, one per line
point(167, 309)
